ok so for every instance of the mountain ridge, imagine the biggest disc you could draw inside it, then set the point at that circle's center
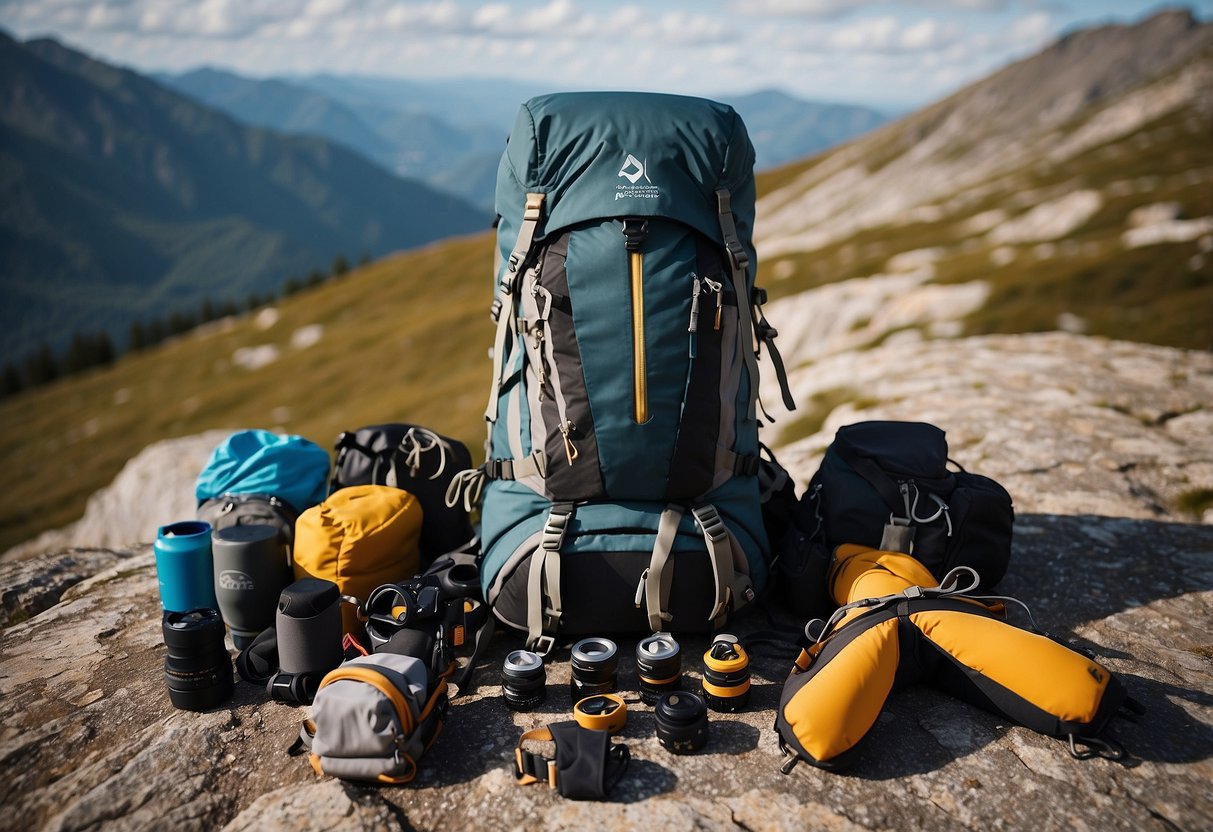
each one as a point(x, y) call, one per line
point(130, 198)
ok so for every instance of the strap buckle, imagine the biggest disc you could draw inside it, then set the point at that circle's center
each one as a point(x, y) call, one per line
point(543, 644)
point(746, 466)
point(711, 523)
point(765, 331)
point(738, 255)
point(556, 526)
point(534, 207)
point(499, 469)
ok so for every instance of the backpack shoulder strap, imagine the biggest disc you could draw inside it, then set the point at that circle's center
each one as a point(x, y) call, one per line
point(503, 304)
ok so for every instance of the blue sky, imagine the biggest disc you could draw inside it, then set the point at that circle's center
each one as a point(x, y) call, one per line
point(895, 55)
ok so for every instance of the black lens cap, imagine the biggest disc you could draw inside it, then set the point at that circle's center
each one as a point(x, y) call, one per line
point(681, 707)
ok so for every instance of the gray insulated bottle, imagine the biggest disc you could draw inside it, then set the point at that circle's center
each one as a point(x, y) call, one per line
point(309, 628)
point(252, 566)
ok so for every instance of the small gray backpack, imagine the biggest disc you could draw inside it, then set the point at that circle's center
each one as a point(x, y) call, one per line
point(373, 717)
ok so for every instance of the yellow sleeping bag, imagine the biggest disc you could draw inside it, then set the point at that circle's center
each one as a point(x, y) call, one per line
point(892, 608)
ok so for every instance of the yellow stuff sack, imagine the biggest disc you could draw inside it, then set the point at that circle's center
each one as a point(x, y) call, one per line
point(359, 538)
point(896, 627)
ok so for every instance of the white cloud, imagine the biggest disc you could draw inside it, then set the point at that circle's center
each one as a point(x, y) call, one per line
point(828, 9)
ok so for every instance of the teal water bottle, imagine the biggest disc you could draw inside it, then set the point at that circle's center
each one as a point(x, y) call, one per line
point(184, 567)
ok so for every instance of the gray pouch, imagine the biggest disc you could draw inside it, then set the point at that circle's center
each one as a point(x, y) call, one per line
point(372, 719)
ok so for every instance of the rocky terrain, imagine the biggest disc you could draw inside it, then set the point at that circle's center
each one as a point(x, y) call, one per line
point(883, 257)
point(1098, 443)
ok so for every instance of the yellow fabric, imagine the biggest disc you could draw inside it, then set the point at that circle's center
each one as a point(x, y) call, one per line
point(842, 698)
point(361, 537)
point(1051, 676)
point(839, 705)
point(862, 572)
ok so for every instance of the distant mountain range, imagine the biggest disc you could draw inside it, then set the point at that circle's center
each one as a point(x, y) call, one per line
point(450, 133)
point(124, 199)
point(1071, 190)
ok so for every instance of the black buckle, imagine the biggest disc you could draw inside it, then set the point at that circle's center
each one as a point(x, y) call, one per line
point(746, 466)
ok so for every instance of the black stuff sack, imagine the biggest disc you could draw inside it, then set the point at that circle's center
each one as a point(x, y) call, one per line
point(417, 460)
point(888, 485)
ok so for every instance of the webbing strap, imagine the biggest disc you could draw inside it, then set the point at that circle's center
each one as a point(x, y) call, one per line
point(530, 767)
point(739, 261)
point(533, 465)
point(543, 581)
point(742, 465)
point(720, 553)
point(503, 304)
point(658, 578)
point(767, 335)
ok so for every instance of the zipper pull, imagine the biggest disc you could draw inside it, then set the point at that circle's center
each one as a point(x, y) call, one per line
point(717, 287)
point(570, 450)
point(542, 373)
point(696, 288)
point(644, 576)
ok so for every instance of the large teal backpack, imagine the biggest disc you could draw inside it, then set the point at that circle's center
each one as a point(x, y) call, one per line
point(623, 438)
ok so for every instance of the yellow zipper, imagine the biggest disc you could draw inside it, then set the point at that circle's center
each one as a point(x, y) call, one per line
point(640, 382)
point(634, 233)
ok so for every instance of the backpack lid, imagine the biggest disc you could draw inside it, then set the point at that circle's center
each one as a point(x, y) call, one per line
point(610, 154)
point(913, 449)
point(290, 468)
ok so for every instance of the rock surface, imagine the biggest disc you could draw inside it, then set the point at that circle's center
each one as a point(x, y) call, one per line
point(1093, 439)
point(153, 488)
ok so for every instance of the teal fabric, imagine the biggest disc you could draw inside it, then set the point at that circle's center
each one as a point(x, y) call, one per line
point(573, 147)
point(634, 458)
point(599, 157)
point(290, 468)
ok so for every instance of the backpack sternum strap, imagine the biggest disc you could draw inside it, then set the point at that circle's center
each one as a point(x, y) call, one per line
point(543, 581)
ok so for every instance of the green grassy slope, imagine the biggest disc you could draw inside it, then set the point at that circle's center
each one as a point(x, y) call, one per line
point(405, 339)
point(1160, 293)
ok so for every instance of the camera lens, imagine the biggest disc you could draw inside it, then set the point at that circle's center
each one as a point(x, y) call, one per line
point(197, 666)
point(658, 666)
point(523, 680)
point(726, 675)
point(602, 712)
point(682, 722)
point(595, 662)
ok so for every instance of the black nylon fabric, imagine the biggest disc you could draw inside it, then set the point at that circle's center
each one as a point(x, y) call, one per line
point(593, 583)
point(693, 466)
point(581, 761)
point(856, 491)
point(581, 478)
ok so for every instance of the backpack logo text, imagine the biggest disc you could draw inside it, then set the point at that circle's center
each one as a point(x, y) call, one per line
point(633, 169)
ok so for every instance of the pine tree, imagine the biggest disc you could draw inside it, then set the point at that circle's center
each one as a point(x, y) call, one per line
point(137, 339)
point(340, 266)
point(41, 367)
point(11, 381)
